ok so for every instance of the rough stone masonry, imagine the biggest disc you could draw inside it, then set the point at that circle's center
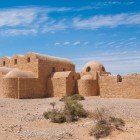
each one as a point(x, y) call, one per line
point(35, 75)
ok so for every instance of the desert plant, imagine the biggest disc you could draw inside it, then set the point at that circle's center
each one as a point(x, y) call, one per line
point(57, 117)
point(73, 97)
point(101, 130)
point(64, 98)
point(73, 110)
point(53, 104)
point(77, 97)
point(104, 125)
point(47, 114)
point(117, 122)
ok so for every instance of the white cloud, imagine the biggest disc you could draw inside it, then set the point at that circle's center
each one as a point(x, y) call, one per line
point(55, 26)
point(76, 43)
point(111, 21)
point(39, 18)
point(18, 32)
point(14, 17)
point(66, 43)
point(57, 43)
point(86, 43)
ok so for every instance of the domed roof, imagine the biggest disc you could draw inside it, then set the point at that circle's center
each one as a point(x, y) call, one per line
point(87, 77)
point(5, 70)
point(93, 66)
point(19, 74)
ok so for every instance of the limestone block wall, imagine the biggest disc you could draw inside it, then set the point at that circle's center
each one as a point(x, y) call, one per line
point(9, 88)
point(71, 86)
point(57, 87)
point(30, 88)
point(25, 63)
point(128, 88)
point(87, 87)
point(46, 68)
point(62, 84)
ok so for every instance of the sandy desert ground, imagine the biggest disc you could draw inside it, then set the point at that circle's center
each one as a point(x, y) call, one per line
point(23, 120)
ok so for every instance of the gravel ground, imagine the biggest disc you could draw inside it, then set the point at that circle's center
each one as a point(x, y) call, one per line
point(23, 120)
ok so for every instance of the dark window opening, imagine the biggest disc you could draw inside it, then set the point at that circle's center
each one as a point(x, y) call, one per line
point(103, 69)
point(3, 63)
point(64, 69)
point(28, 60)
point(73, 77)
point(53, 69)
point(88, 69)
point(119, 78)
point(15, 61)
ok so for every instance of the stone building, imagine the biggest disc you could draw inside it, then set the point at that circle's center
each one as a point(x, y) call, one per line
point(35, 75)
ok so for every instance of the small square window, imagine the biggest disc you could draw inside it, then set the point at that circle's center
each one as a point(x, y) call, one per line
point(73, 77)
point(28, 60)
point(15, 61)
point(53, 69)
point(3, 63)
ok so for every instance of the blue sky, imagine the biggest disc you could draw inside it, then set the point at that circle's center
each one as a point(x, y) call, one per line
point(82, 30)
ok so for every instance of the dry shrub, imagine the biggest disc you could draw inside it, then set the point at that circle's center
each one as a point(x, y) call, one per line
point(72, 112)
point(105, 126)
point(77, 97)
point(117, 122)
point(101, 130)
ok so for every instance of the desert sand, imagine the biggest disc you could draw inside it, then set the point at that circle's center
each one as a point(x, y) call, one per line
point(23, 120)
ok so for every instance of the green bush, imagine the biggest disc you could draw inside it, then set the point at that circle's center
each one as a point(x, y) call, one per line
point(77, 97)
point(117, 122)
point(47, 114)
point(74, 110)
point(65, 98)
point(101, 130)
point(105, 126)
point(55, 116)
point(73, 97)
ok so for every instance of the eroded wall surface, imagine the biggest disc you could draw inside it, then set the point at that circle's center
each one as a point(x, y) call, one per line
point(87, 87)
point(128, 88)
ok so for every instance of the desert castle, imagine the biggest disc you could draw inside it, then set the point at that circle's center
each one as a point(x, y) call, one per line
point(36, 76)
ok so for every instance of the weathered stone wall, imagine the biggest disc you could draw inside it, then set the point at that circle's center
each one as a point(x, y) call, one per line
point(42, 66)
point(87, 87)
point(21, 88)
point(59, 86)
point(30, 88)
point(8, 88)
point(21, 63)
point(46, 69)
point(128, 88)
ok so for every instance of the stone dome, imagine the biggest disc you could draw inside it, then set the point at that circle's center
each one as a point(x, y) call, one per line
point(94, 66)
point(87, 77)
point(5, 70)
point(19, 74)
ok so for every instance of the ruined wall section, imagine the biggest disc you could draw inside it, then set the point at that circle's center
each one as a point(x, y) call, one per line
point(87, 87)
point(21, 88)
point(57, 87)
point(24, 63)
point(62, 84)
point(128, 88)
point(8, 88)
point(71, 83)
point(47, 67)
